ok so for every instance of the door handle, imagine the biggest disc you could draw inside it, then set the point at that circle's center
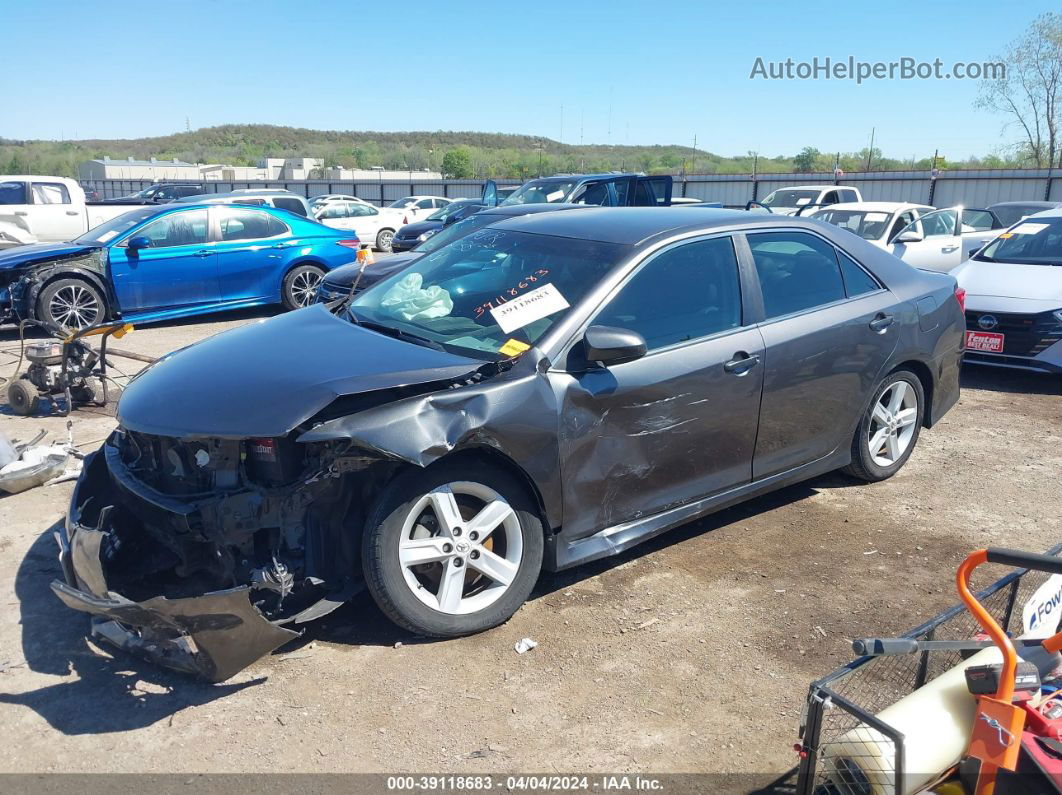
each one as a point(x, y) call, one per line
point(20, 212)
point(281, 245)
point(948, 249)
point(203, 252)
point(741, 363)
point(881, 322)
point(72, 212)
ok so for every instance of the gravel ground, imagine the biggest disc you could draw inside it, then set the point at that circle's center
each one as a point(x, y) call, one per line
point(691, 653)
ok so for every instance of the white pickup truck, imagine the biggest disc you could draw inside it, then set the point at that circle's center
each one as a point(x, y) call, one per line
point(48, 209)
point(797, 199)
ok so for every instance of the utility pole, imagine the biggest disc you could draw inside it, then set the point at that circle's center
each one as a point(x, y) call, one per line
point(693, 167)
point(562, 125)
point(870, 151)
point(187, 124)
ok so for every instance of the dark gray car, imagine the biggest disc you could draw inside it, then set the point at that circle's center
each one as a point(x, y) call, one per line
point(545, 391)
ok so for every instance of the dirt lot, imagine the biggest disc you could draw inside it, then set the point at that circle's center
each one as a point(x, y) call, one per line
point(691, 653)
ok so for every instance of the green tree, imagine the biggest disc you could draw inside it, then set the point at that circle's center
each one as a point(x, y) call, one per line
point(805, 161)
point(457, 164)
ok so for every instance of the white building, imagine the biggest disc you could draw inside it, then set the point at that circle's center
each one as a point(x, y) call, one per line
point(130, 168)
point(367, 174)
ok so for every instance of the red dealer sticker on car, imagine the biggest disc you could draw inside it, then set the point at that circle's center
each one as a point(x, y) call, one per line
point(986, 341)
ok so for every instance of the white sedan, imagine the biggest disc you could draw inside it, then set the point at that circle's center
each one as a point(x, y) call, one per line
point(371, 224)
point(875, 222)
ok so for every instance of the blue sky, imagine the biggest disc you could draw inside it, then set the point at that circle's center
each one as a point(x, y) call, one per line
point(670, 70)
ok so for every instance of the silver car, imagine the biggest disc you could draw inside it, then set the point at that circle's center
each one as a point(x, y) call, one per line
point(1014, 297)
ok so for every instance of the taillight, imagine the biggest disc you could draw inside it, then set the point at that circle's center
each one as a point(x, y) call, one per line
point(349, 243)
point(405, 219)
point(960, 296)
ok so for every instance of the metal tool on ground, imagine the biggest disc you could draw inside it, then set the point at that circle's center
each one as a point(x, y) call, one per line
point(66, 365)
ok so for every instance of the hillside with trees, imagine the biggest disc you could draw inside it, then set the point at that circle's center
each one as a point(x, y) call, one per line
point(458, 154)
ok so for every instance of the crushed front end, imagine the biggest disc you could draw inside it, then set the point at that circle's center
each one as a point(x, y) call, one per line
point(206, 554)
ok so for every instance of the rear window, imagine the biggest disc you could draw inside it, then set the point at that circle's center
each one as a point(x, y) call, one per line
point(12, 193)
point(291, 205)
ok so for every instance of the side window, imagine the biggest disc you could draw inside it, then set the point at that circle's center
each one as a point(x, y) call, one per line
point(595, 193)
point(249, 225)
point(289, 204)
point(50, 193)
point(441, 202)
point(797, 272)
point(830, 198)
point(938, 224)
point(684, 293)
point(978, 221)
point(177, 229)
point(359, 210)
point(424, 204)
point(902, 220)
point(252, 202)
point(856, 280)
point(848, 196)
point(333, 210)
point(13, 193)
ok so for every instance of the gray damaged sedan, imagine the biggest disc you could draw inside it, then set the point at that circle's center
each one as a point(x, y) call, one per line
point(544, 392)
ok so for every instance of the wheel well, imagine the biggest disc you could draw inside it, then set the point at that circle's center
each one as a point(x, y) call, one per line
point(925, 376)
point(490, 455)
point(80, 277)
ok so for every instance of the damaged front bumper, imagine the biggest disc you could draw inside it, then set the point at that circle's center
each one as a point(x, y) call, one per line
point(213, 635)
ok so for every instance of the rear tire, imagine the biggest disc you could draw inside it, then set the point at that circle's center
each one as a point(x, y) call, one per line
point(383, 240)
point(453, 549)
point(888, 430)
point(300, 286)
point(71, 303)
point(22, 397)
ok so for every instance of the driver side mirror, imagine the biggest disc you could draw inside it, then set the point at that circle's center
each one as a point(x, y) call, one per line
point(138, 242)
point(909, 236)
point(608, 345)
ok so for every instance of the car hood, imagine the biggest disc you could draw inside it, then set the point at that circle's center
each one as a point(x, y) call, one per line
point(1040, 283)
point(379, 270)
point(419, 228)
point(266, 378)
point(20, 256)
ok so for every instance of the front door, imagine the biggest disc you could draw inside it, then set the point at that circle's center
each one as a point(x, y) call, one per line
point(936, 243)
point(679, 423)
point(829, 327)
point(178, 270)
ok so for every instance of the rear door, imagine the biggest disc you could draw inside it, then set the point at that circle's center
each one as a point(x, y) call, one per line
point(178, 270)
point(252, 247)
point(829, 327)
point(679, 423)
point(46, 208)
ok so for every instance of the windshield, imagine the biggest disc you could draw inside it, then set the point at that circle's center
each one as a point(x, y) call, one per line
point(445, 212)
point(542, 191)
point(458, 230)
point(401, 203)
point(489, 295)
point(108, 230)
point(868, 225)
point(1031, 242)
point(790, 198)
point(146, 193)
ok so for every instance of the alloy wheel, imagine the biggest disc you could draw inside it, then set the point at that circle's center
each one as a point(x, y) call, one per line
point(74, 306)
point(460, 548)
point(304, 287)
point(892, 423)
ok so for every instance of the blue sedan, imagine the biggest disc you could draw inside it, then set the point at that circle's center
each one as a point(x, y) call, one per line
point(158, 263)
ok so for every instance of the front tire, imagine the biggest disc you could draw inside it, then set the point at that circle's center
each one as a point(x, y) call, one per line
point(383, 240)
point(300, 286)
point(453, 549)
point(71, 303)
point(888, 431)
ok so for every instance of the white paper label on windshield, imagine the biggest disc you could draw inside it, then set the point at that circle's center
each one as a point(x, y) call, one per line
point(529, 307)
point(1028, 229)
point(1042, 610)
point(107, 236)
point(876, 218)
point(802, 202)
point(556, 196)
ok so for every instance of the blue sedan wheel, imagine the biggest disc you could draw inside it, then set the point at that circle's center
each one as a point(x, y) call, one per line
point(300, 286)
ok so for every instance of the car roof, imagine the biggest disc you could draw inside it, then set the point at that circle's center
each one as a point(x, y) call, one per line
point(1054, 212)
point(516, 210)
point(1047, 205)
point(634, 225)
point(888, 207)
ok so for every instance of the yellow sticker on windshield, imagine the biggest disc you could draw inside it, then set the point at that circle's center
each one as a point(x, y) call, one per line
point(513, 347)
point(1005, 235)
